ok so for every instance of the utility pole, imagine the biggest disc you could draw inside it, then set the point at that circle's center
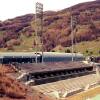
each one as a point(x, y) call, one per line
point(39, 28)
point(74, 22)
point(72, 37)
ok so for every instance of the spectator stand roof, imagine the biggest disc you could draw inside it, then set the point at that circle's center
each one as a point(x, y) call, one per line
point(54, 66)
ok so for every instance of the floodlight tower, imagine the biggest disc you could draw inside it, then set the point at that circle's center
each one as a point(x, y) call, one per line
point(72, 37)
point(39, 28)
point(74, 22)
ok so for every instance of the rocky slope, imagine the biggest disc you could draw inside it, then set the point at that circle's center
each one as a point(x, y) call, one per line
point(57, 29)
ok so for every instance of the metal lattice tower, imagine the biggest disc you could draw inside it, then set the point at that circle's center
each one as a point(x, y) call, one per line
point(39, 29)
point(74, 22)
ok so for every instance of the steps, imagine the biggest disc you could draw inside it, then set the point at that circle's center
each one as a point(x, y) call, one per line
point(69, 86)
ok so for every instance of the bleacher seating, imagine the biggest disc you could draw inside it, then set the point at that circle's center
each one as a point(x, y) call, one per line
point(68, 86)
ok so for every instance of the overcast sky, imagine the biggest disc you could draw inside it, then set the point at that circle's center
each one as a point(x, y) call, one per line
point(12, 8)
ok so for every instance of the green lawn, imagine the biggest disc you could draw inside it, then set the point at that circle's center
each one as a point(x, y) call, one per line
point(88, 47)
point(26, 44)
point(96, 98)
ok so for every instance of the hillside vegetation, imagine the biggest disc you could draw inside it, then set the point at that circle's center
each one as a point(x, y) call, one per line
point(18, 34)
point(12, 89)
point(87, 47)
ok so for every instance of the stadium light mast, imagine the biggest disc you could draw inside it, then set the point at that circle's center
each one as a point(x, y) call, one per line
point(72, 37)
point(74, 22)
point(39, 27)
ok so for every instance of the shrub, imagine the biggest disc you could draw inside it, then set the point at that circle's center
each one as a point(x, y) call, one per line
point(67, 51)
point(99, 51)
point(87, 51)
point(52, 50)
point(91, 52)
point(10, 47)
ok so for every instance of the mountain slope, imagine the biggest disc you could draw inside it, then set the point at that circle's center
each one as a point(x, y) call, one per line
point(17, 33)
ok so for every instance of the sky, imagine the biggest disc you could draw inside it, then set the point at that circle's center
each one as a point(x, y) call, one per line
point(13, 8)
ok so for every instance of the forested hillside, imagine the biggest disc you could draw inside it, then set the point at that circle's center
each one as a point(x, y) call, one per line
point(18, 33)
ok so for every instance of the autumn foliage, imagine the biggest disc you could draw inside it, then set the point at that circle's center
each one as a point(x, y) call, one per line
point(11, 89)
point(56, 26)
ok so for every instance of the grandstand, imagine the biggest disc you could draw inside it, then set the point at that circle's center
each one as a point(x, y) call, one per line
point(51, 72)
point(58, 80)
point(65, 88)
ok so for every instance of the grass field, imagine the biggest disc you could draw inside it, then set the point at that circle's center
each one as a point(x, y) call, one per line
point(26, 45)
point(88, 47)
point(86, 95)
